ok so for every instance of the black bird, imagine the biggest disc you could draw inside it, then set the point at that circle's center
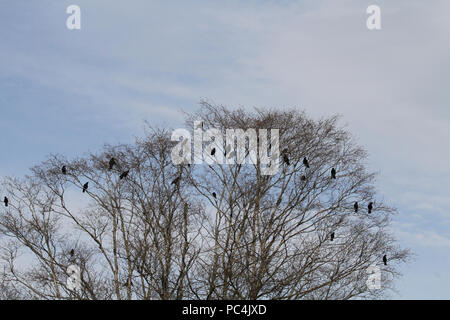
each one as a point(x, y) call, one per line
point(64, 170)
point(72, 252)
point(286, 159)
point(6, 201)
point(356, 207)
point(176, 180)
point(385, 260)
point(85, 187)
point(213, 151)
point(303, 178)
point(124, 174)
point(370, 207)
point(305, 162)
point(112, 163)
point(214, 195)
point(332, 236)
point(333, 173)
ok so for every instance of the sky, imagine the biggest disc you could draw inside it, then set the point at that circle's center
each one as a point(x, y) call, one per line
point(71, 91)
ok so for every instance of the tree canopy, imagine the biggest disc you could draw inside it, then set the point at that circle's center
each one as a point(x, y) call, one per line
point(145, 228)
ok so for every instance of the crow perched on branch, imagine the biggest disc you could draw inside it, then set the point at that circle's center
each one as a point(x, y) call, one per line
point(124, 174)
point(355, 206)
point(286, 159)
point(305, 162)
point(112, 163)
point(6, 201)
point(176, 180)
point(370, 207)
point(333, 173)
point(85, 187)
point(213, 151)
point(332, 236)
point(385, 260)
point(64, 170)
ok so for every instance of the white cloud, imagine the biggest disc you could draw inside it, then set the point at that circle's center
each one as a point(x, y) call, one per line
point(416, 236)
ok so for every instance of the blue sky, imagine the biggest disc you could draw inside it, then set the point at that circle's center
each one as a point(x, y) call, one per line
point(71, 91)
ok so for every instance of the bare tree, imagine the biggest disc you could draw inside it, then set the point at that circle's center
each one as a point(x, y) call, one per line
point(132, 236)
point(146, 228)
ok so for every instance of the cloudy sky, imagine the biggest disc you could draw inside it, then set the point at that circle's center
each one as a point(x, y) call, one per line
point(71, 91)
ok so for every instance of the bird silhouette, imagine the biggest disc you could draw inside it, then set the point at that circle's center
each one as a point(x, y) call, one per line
point(332, 236)
point(124, 174)
point(355, 206)
point(305, 162)
point(303, 178)
point(64, 170)
point(72, 252)
point(6, 201)
point(385, 260)
point(85, 187)
point(213, 151)
point(214, 195)
point(112, 163)
point(333, 173)
point(370, 207)
point(286, 159)
point(176, 180)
